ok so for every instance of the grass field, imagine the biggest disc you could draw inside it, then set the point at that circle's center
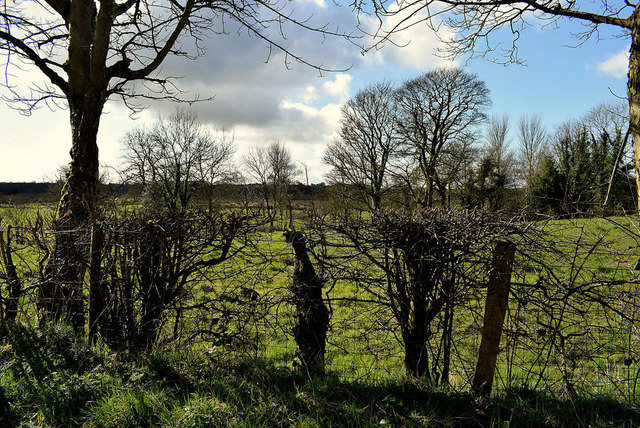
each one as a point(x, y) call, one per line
point(51, 378)
point(568, 355)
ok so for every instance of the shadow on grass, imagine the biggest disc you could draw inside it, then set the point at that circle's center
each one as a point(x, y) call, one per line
point(50, 377)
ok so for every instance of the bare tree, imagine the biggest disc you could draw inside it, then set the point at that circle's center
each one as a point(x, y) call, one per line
point(456, 165)
point(153, 263)
point(361, 155)
point(421, 266)
point(532, 139)
point(256, 161)
point(91, 51)
point(497, 148)
point(436, 111)
point(176, 158)
point(475, 22)
point(274, 170)
point(495, 170)
point(610, 118)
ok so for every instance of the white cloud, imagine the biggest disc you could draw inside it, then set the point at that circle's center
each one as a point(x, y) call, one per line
point(257, 102)
point(319, 3)
point(304, 126)
point(338, 88)
point(413, 43)
point(616, 65)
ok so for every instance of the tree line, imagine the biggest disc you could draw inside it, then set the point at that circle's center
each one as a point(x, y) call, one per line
point(429, 142)
point(425, 143)
point(411, 279)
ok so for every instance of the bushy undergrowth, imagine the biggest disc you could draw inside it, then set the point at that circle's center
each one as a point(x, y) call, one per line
point(49, 377)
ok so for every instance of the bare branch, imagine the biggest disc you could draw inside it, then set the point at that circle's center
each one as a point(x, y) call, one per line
point(43, 64)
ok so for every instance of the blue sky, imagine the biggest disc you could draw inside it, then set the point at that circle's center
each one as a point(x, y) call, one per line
point(559, 82)
point(260, 103)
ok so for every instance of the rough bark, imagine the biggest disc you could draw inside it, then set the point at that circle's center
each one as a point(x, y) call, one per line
point(154, 291)
point(312, 316)
point(416, 358)
point(425, 301)
point(62, 294)
point(15, 285)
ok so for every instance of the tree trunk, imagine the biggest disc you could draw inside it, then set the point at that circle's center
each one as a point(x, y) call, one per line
point(376, 200)
point(312, 316)
point(633, 91)
point(447, 334)
point(416, 358)
point(62, 293)
point(15, 285)
point(153, 288)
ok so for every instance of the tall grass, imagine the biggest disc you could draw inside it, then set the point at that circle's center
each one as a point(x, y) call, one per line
point(52, 378)
point(49, 377)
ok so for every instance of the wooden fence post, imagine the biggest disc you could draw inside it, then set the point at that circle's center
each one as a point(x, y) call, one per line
point(96, 293)
point(494, 313)
point(11, 276)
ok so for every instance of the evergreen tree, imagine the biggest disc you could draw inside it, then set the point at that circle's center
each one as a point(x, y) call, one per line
point(546, 187)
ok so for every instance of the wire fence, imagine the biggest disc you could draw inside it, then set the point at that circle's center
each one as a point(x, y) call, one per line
point(222, 282)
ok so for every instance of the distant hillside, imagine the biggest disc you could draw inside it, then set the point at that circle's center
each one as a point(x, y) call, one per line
point(18, 193)
point(50, 192)
point(24, 188)
point(45, 192)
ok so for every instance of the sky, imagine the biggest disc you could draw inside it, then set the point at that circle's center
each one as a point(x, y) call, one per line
point(259, 101)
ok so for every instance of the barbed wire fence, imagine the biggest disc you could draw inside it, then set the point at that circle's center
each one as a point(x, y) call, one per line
point(221, 281)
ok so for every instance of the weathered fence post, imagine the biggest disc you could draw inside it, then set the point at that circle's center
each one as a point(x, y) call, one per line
point(312, 316)
point(96, 293)
point(11, 276)
point(494, 313)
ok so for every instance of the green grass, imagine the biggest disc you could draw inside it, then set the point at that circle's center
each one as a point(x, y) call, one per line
point(358, 351)
point(41, 385)
point(50, 378)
